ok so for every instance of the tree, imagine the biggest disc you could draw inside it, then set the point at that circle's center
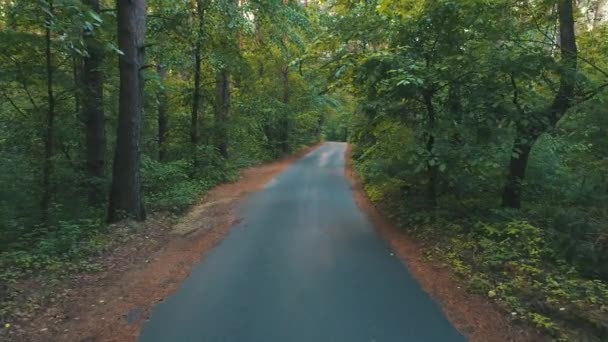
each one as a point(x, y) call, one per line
point(284, 72)
point(163, 113)
point(229, 57)
point(537, 123)
point(93, 112)
point(49, 135)
point(223, 107)
point(126, 197)
point(198, 17)
point(68, 96)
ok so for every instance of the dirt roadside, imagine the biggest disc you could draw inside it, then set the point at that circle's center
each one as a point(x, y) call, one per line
point(473, 315)
point(113, 304)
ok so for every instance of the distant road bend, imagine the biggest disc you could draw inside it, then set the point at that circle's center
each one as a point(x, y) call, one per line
point(303, 265)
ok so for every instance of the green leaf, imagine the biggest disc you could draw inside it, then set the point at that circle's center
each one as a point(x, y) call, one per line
point(95, 16)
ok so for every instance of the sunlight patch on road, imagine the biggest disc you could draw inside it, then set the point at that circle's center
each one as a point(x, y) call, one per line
point(324, 158)
point(273, 182)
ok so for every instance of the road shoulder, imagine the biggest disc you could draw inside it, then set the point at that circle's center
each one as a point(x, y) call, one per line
point(112, 305)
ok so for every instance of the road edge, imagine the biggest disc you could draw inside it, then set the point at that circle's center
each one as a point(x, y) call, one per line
point(472, 315)
point(114, 305)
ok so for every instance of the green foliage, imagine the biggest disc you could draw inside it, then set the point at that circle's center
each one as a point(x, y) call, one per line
point(278, 103)
point(63, 250)
point(517, 264)
point(540, 265)
point(438, 96)
point(269, 116)
point(449, 97)
point(171, 186)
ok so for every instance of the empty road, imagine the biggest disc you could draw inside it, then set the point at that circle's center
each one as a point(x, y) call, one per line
point(303, 265)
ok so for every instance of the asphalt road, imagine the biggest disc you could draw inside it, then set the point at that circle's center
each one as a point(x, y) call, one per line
point(305, 265)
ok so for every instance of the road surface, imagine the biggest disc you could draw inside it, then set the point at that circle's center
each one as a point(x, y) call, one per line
point(304, 265)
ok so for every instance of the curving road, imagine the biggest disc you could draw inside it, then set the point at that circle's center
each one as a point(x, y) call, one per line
point(304, 265)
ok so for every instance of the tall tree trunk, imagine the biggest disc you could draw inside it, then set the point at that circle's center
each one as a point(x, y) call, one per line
point(285, 122)
point(126, 198)
point(524, 142)
point(49, 135)
point(259, 40)
point(198, 15)
point(455, 108)
point(284, 126)
point(196, 98)
point(93, 115)
point(223, 93)
point(511, 197)
point(432, 167)
point(77, 75)
point(223, 86)
point(163, 114)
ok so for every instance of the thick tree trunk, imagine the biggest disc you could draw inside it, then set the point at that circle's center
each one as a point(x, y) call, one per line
point(126, 198)
point(223, 108)
point(49, 134)
point(512, 194)
point(163, 114)
point(93, 115)
point(432, 167)
point(547, 120)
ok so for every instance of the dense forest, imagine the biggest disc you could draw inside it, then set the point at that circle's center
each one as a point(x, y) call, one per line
point(122, 109)
point(223, 84)
point(481, 126)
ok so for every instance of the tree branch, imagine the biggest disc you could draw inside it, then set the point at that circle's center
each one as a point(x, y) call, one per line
point(591, 94)
point(10, 100)
point(516, 95)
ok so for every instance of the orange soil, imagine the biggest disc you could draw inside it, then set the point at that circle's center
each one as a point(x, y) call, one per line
point(113, 304)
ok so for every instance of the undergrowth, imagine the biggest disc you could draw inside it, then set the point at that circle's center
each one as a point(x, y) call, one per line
point(36, 261)
point(518, 259)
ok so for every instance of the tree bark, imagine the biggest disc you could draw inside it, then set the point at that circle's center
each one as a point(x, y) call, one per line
point(163, 114)
point(126, 198)
point(93, 115)
point(223, 108)
point(512, 193)
point(285, 122)
point(196, 98)
point(284, 126)
point(526, 137)
point(259, 40)
point(569, 63)
point(77, 66)
point(49, 134)
point(198, 15)
point(432, 167)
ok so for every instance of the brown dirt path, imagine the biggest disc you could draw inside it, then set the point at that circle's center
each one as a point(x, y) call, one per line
point(473, 315)
point(113, 304)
